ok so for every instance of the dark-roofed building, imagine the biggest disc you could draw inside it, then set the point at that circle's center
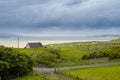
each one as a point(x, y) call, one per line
point(34, 45)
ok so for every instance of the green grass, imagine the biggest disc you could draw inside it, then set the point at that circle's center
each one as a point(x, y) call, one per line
point(31, 50)
point(72, 52)
point(97, 73)
point(36, 76)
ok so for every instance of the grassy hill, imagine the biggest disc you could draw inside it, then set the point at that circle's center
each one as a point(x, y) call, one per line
point(72, 53)
point(97, 73)
point(4, 37)
point(116, 40)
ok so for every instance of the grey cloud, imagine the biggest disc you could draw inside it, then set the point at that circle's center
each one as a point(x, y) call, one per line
point(70, 14)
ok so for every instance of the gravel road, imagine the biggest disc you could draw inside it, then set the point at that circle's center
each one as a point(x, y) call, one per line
point(51, 70)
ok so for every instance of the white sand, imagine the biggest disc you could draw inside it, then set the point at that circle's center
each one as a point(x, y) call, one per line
point(22, 44)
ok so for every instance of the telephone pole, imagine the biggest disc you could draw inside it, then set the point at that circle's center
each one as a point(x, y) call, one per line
point(18, 42)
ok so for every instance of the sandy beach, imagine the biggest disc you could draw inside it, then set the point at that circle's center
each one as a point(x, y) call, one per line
point(22, 44)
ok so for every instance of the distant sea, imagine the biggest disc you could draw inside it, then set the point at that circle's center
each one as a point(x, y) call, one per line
point(57, 39)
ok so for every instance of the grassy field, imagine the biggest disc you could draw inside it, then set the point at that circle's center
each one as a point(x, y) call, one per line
point(36, 76)
point(97, 73)
point(72, 52)
point(31, 51)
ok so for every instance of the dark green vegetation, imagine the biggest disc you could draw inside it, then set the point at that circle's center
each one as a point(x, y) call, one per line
point(45, 57)
point(13, 63)
point(97, 73)
point(110, 53)
point(48, 58)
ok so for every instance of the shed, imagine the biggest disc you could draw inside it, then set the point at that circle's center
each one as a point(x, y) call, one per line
point(34, 45)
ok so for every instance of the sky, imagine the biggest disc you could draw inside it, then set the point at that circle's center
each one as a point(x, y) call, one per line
point(60, 17)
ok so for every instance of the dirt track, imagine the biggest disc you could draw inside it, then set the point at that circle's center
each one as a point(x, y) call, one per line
point(51, 70)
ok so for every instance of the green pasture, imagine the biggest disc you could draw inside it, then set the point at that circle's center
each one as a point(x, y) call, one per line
point(72, 53)
point(97, 73)
point(31, 51)
point(36, 76)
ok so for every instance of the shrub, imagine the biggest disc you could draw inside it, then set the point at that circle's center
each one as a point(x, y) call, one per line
point(48, 58)
point(13, 63)
point(111, 53)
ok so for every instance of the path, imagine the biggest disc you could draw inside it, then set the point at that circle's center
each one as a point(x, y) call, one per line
point(51, 70)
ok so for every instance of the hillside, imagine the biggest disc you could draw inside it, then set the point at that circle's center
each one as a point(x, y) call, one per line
point(107, 35)
point(75, 52)
point(116, 40)
point(4, 37)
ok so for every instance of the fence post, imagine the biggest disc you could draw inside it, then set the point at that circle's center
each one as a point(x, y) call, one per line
point(18, 75)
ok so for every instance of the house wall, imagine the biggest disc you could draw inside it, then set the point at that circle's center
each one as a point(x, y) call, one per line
point(27, 46)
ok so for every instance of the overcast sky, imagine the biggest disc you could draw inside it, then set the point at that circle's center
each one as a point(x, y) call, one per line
point(60, 17)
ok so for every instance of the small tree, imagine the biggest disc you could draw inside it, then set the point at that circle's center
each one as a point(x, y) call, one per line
point(46, 58)
point(12, 63)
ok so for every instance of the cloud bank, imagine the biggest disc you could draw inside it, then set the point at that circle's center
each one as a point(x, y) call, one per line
point(60, 17)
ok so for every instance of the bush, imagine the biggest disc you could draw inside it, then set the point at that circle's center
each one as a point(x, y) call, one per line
point(48, 58)
point(13, 63)
point(111, 53)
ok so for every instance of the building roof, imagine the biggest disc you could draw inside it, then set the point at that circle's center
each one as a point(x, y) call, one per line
point(35, 45)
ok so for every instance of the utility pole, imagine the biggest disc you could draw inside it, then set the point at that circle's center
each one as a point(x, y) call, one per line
point(18, 42)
